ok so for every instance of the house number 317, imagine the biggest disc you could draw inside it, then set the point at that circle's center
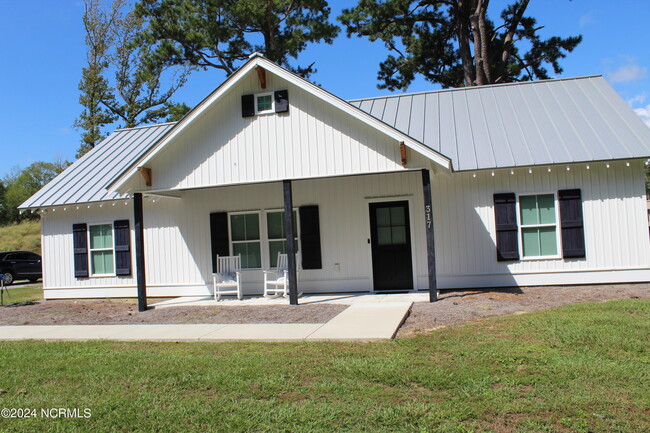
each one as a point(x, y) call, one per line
point(427, 215)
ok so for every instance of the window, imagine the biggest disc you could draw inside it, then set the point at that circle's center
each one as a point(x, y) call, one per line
point(264, 103)
point(276, 236)
point(391, 226)
point(101, 248)
point(245, 236)
point(538, 224)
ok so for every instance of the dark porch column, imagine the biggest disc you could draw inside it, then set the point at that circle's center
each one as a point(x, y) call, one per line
point(431, 251)
point(138, 218)
point(289, 231)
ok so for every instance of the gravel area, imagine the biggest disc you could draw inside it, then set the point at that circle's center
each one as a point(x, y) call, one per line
point(453, 308)
point(125, 311)
point(458, 307)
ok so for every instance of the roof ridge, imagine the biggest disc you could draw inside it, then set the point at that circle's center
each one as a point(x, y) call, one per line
point(463, 89)
point(153, 125)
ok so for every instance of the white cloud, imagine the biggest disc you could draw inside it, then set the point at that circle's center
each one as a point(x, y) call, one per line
point(629, 72)
point(587, 19)
point(637, 99)
point(644, 114)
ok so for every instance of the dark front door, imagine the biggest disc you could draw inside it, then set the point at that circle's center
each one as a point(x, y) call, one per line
point(392, 268)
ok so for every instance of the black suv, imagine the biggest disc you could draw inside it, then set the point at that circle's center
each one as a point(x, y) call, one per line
point(20, 265)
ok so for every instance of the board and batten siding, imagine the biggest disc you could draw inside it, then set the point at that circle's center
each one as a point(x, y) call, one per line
point(616, 235)
point(58, 257)
point(177, 232)
point(313, 139)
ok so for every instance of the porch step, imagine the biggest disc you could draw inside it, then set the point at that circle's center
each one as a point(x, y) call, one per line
point(365, 321)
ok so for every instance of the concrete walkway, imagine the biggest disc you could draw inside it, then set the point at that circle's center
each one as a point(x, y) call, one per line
point(360, 321)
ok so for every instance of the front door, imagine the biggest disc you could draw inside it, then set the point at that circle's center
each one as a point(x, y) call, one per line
point(392, 267)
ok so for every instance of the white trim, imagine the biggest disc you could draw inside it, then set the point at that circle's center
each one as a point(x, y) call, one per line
point(90, 251)
point(520, 226)
point(348, 108)
point(271, 110)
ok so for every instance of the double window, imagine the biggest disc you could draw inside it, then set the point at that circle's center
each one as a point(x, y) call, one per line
point(253, 241)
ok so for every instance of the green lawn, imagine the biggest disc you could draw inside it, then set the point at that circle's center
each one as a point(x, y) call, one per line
point(17, 294)
point(580, 368)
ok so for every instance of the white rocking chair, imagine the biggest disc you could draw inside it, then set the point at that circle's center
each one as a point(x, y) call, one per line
point(276, 282)
point(227, 279)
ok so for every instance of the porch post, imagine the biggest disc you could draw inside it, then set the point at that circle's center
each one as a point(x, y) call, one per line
point(138, 218)
point(289, 231)
point(431, 252)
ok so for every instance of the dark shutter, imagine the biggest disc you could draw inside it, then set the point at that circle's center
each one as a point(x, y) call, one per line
point(219, 236)
point(247, 105)
point(310, 237)
point(281, 101)
point(122, 247)
point(80, 246)
point(573, 234)
point(505, 213)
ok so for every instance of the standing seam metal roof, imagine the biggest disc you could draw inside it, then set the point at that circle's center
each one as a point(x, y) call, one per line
point(546, 122)
point(509, 125)
point(85, 181)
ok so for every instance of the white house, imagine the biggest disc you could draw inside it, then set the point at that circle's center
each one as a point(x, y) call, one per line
point(534, 183)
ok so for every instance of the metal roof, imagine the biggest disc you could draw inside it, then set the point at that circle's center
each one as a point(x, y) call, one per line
point(508, 125)
point(85, 181)
point(520, 124)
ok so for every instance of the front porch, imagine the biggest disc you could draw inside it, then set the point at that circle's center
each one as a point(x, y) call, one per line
point(348, 248)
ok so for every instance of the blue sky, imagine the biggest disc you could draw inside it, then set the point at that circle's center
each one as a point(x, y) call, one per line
point(44, 52)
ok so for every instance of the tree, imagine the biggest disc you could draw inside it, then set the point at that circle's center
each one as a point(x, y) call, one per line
point(222, 33)
point(22, 184)
point(454, 43)
point(120, 82)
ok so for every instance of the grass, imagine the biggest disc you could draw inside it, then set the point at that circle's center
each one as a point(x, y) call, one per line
point(580, 368)
point(18, 294)
point(24, 236)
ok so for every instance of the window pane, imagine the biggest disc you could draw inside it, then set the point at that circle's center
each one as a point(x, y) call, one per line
point(399, 235)
point(397, 216)
point(250, 254)
point(252, 226)
point(383, 217)
point(102, 262)
point(546, 204)
point(101, 236)
point(528, 206)
point(530, 241)
point(548, 241)
point(264, 102)
point(275, 224)
point(275, 247)
point(245, 227)
point(384, 236)
point(238, 227)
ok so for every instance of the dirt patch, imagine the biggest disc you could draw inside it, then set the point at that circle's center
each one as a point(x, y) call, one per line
point(119, 311)
point(455, 307)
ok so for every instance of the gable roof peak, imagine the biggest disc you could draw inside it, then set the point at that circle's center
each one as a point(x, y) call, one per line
point(256, 54)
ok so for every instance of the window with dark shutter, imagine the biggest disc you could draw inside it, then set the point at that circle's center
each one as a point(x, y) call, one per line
point(122, 234)
point(219, 237)
point(281, 101)
point(505, 213)
point(573, 235)
point(310, 237)
point(248, 105)
point(80, 246)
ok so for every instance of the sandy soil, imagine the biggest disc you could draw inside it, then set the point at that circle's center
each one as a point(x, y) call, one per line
point(111, 312)
point(453, 308)
point(457, 307)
